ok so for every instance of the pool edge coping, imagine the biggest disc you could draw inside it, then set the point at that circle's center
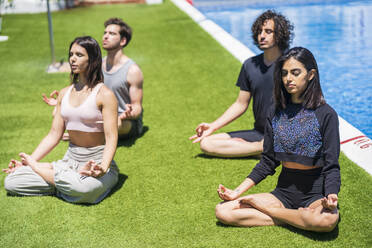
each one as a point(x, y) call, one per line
point(354, 144)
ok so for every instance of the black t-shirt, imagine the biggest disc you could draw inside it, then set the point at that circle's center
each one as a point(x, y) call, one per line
point(258, 79)
point(309, 137)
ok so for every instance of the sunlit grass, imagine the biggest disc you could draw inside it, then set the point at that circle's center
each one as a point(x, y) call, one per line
point(167, 192)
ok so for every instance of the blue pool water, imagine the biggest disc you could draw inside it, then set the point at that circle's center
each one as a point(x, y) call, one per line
point(339, 34)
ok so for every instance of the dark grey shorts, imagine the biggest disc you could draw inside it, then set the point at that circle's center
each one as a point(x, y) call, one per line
point(248, 135)
point(299, 188)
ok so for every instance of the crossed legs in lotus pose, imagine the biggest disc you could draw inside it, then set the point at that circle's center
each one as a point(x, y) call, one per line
point(266, 210)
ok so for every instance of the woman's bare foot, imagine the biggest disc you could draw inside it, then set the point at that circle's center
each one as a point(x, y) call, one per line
point(66, 137)
point(256, 203)
point(12, 166)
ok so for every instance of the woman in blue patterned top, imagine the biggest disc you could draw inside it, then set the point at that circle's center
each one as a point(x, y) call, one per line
point(302, 134)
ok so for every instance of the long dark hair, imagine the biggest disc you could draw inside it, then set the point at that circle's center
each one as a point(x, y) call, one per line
point(312, 96)
point(282, 29)
point(94, 70)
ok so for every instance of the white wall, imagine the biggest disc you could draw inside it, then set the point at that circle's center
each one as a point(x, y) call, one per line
point(32, 6)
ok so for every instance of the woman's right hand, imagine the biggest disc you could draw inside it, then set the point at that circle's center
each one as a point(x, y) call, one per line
point(52, 100)
point(227, 194)
point(203, 130)
point(12, 166)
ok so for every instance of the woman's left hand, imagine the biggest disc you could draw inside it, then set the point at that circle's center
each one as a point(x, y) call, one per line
point(330, 202)
point(227, 194)
point(92, 169)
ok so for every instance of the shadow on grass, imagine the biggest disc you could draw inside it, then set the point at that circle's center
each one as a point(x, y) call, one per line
point(132, 140)
point(205, 156)
point(121, 180)
point(119, 184)
point(220, 224)
point(316, 236)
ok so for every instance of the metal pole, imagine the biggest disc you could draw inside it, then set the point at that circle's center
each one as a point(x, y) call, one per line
point(50, 32)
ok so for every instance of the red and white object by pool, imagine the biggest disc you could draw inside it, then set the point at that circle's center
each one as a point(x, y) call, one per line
point(356, 146)
point(190, 2)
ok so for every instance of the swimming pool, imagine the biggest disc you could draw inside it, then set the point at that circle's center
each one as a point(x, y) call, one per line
point(339, 33)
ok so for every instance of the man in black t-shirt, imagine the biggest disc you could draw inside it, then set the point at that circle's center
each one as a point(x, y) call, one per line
point(272, 33)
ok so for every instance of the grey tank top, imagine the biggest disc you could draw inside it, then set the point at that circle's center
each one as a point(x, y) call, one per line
point(118, 83)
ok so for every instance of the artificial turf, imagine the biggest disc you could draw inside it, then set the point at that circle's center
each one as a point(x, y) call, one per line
point(167, 190)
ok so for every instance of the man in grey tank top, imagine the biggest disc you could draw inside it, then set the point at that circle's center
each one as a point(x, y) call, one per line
point(122, 75)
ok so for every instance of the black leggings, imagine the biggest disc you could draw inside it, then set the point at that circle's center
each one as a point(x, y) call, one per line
point(299, 188)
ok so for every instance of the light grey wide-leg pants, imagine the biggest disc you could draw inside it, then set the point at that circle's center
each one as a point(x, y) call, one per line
point(69, 184)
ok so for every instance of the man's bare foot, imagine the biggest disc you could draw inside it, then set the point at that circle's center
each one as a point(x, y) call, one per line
point(13, 166)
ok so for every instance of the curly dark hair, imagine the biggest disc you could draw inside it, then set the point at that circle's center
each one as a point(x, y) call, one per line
point(282, 29)
point(125, 31)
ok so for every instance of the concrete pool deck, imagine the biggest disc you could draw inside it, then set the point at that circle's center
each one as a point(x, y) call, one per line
point(354, 144)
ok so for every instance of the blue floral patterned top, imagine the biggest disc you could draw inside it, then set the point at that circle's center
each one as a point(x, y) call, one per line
point(296, 130)
point(305, 136)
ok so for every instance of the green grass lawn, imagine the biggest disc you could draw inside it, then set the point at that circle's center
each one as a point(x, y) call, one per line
point(167, 191)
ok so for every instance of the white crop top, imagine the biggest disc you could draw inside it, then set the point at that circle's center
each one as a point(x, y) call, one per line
point(86, 117)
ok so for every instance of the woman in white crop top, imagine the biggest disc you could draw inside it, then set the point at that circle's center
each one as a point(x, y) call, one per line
point(88, 111)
